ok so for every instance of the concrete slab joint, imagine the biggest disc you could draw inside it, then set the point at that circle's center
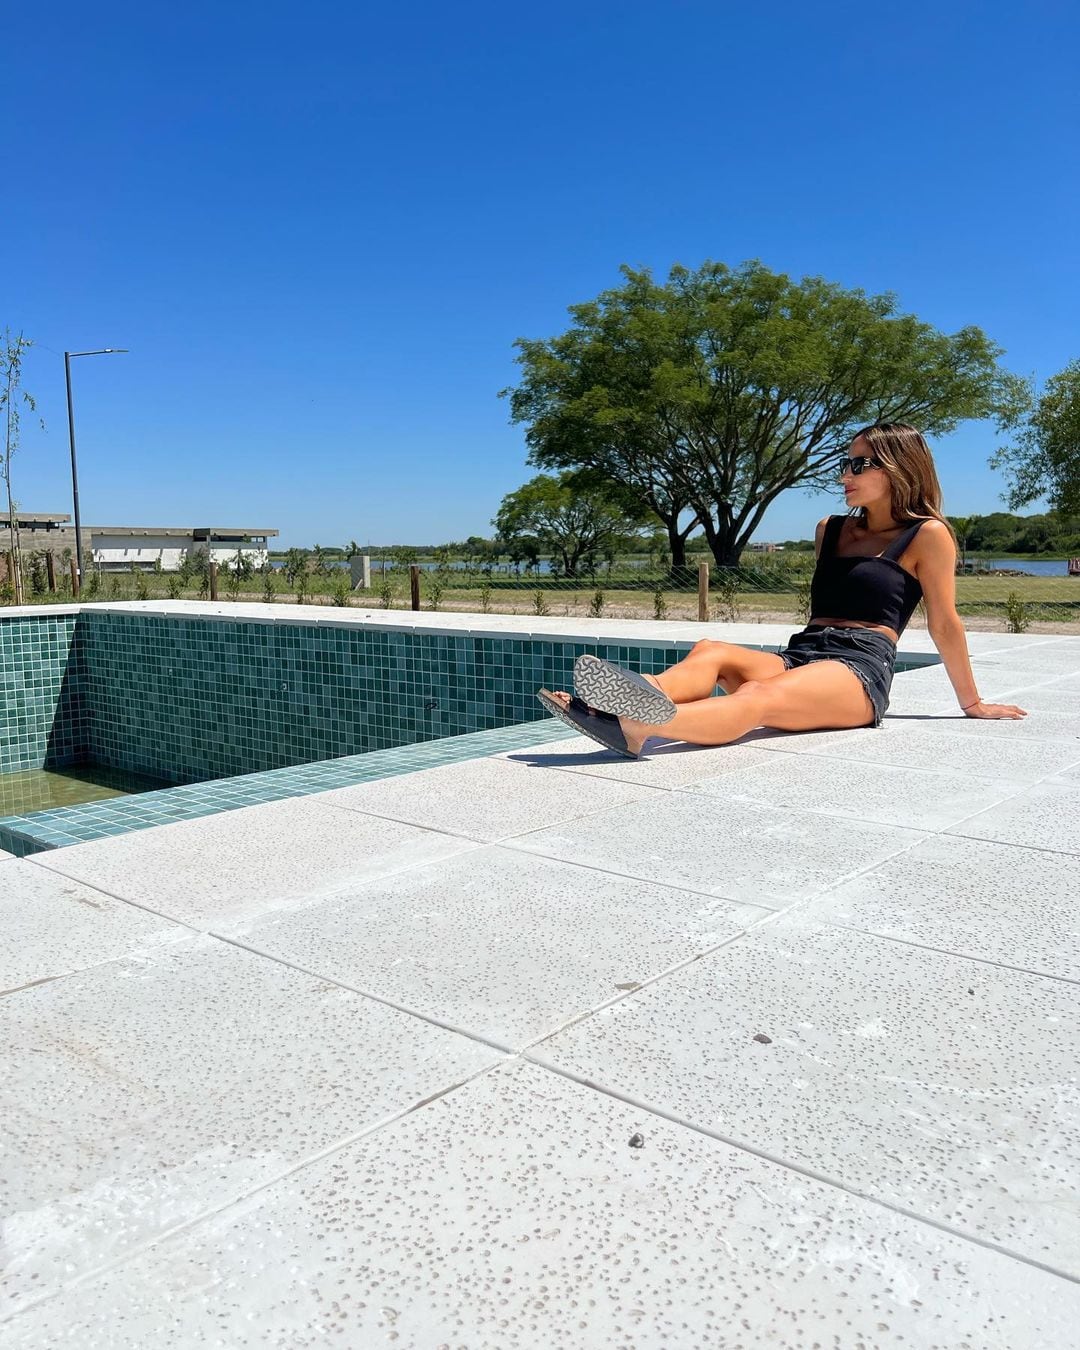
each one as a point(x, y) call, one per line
point(767, 1045)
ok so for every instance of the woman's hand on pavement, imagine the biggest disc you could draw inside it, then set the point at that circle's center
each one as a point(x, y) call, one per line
point(995, 710)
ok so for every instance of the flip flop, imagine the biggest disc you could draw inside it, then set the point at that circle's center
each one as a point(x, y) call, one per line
point(615, 690)
point(598, 726)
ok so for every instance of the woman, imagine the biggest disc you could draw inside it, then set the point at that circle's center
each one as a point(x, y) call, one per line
point(874, 566)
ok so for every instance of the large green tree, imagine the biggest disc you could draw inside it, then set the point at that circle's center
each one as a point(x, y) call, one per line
point(575, 518)
point(1045, 460)
point(709, 395)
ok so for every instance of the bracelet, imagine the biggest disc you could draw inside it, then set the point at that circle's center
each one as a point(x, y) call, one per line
point(971, 705)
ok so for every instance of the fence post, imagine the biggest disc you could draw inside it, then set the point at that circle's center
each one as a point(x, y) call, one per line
point(414, 584)
point(74, 580)
point(703, 592)
point(213, 581)
point(50, 567)
point(360, 571)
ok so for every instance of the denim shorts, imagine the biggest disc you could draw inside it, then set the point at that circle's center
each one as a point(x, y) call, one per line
point(871, 656)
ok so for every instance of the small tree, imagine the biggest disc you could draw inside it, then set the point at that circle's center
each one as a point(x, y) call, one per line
point(572, 517)
point(12, 395)
point(963, 525)
point(1017, 618)
point(442, 564)
point(195, 567)
point(38, 578)
point(802, 600)
point(242, 567)
point(233, 578)
point(295, 565)
point(728, 609)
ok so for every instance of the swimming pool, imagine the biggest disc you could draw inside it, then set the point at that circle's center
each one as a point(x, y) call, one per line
point(240, 704)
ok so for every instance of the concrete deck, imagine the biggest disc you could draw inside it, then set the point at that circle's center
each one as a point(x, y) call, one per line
point(768, 1045)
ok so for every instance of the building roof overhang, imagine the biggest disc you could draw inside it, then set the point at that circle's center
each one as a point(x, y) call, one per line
point(177, 532)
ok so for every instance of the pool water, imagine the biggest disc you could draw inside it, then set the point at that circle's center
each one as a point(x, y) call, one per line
point(30, 790)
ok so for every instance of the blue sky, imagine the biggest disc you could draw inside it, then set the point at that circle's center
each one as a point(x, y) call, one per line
point(320, 228)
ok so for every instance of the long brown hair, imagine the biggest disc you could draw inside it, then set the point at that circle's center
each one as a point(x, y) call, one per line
point(904, 455)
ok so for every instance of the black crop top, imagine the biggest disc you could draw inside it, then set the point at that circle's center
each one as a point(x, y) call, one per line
point(867, 589)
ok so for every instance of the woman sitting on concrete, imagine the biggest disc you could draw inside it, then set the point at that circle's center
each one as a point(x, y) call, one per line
point(874, 565)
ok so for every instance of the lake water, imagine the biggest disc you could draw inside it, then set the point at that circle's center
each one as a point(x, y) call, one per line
point(1035, 566)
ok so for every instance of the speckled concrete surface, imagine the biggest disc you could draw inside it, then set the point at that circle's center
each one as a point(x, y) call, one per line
point(762, 1046)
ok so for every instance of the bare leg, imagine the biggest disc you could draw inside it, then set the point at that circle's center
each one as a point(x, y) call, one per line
point(709, 664)
point(822, 695)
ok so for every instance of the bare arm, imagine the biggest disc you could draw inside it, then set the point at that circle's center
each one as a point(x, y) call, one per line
point(935, 567)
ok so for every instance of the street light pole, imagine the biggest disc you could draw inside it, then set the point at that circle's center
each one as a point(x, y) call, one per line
point(103, 351)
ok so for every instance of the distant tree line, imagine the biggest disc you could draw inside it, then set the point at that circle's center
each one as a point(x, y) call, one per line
point(1000, 532)
point(994, 533)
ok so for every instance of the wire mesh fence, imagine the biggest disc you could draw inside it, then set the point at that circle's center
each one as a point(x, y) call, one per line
point(765, 593)
point(769, 591)
point(655, 593)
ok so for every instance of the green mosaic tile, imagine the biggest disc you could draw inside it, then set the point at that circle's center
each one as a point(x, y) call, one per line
point(190, 699)
point(42, 687)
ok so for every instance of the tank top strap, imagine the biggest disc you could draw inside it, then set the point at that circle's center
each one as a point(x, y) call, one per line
point(896, 548)
point(831, 537)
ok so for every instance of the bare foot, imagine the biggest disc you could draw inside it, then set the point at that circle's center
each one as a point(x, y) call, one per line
point(636, 733)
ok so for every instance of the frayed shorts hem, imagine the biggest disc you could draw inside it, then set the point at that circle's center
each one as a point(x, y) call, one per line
point(870, 656)
point(876, 705)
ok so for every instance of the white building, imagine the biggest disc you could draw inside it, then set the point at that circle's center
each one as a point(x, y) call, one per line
point(116, 548)
point(37, 532)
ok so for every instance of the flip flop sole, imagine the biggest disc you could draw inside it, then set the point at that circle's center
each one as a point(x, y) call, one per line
point(621, 692)
point(586, 725)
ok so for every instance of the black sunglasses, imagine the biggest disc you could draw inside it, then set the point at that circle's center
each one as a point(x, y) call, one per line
point(856, 466)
